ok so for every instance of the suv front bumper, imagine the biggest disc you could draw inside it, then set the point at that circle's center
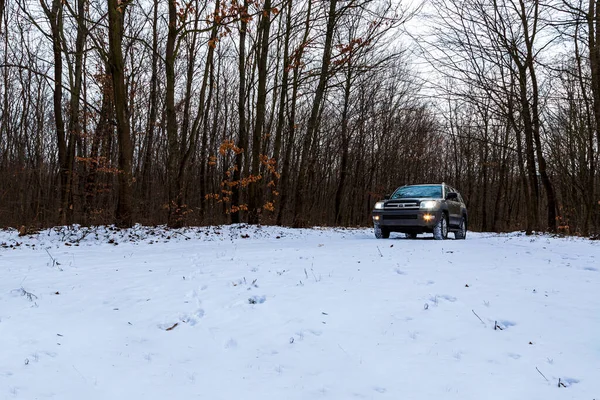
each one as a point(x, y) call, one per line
point(407, 220)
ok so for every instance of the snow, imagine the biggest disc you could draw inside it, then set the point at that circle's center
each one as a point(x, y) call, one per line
point(241, 312)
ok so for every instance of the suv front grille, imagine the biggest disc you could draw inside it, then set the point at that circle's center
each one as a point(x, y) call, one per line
point(402, 205)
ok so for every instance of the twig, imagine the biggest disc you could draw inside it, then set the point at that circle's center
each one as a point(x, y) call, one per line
point(86, 232)
point(496, 326)
point(187, 237)
point(478, 317)
point(544, 376)
point(379, 251)
point(80, 374)
point(30, 296)
point(172, 327)
point(314, 276)
point(52, 258)
point(561, 384)
point(54, 262)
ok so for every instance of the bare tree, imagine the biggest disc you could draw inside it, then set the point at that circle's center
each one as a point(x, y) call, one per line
point(116, 12)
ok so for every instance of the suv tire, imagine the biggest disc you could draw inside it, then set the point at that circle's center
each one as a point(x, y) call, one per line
point(410, 235)
point(381, 233)
point(440, 230)
point(462, 232)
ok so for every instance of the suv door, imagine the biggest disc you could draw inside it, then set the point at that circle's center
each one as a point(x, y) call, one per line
point(463, 208)
point(454, 208)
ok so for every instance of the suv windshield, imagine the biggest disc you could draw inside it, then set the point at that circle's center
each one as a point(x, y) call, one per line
point(408, 192)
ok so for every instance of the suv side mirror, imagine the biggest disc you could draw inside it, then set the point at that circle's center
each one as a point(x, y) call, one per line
point(451, 196)
point(386, 197)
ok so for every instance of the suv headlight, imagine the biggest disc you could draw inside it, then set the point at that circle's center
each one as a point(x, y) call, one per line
point(379, 205)
point(428, 205)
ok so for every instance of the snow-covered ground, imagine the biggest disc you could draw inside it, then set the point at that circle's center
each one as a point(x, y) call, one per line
point(273, 313)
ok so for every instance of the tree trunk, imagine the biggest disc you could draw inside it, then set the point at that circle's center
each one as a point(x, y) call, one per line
point(55, 17)
point(525, 112)
point(242, 133)
point(146, 186)
point(175, 218)
point(287, 160)
point(284, 93)
point(74, 127)
point(345, 148)
point(116, 12)
point(541, 160)
point(299, 218)
point(255, 192)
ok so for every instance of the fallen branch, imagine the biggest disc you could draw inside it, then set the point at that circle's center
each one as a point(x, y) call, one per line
point(178, 233)
point(172, 327)
point(478, 317)
point(30, 296)
point(54, 262)
point(315, 276)
point(544, 376)
point(85, 233)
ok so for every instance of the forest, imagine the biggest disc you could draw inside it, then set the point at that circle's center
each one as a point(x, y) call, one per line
point(298, 112)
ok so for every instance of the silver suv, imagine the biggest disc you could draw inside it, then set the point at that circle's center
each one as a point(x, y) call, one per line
point(413, 209)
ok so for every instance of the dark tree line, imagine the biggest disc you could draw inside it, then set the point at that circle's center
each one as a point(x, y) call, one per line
point(295, 112)
point(523, 108)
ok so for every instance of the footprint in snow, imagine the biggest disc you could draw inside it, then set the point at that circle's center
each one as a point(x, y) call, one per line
point(193, 318)
point(566, 382)
point(190, 319)
point(231, 344)
point(435, 299)
point(257, 299)
point(504, 324)
point(451, 299)
point(379, 389)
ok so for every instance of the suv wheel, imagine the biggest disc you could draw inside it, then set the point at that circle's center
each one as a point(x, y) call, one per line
point(410, 235)
point(440, 230)
point(462, 232)
point(381, 233)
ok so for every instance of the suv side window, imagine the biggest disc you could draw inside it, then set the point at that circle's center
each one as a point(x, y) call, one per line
point(451, 190)
point(460, 199)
